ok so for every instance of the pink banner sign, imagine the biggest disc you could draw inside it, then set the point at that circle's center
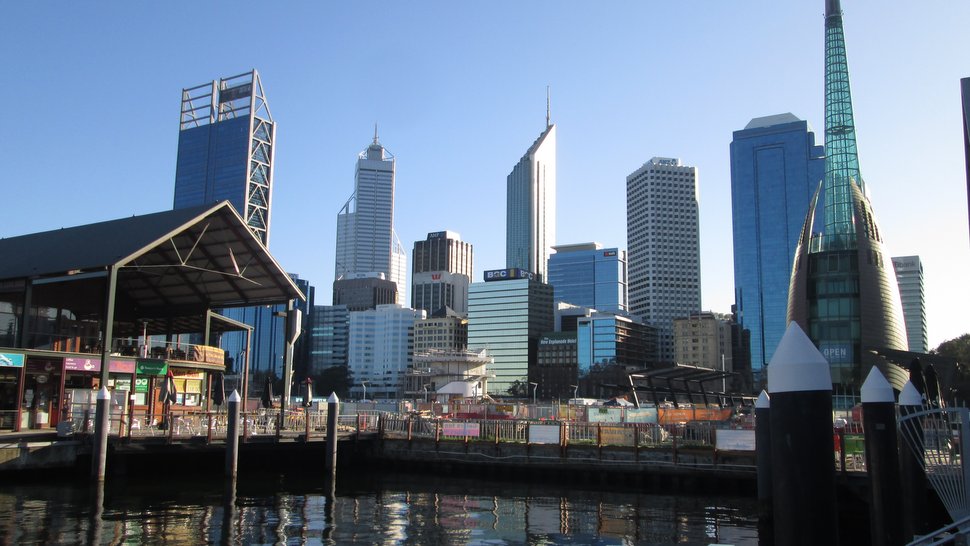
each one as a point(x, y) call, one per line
point(94, 365)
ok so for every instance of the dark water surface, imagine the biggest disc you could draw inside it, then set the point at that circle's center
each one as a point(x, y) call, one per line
point(365, 508)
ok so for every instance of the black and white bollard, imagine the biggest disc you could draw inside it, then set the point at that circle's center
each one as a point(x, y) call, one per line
point(232, 436)
point(882, 460)
point(102, 421)
point(762, 439)
point(333, 409)
point(802, 450)
point(912, 476)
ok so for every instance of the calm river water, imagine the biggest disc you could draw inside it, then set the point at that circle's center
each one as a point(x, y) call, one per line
point(372, 509)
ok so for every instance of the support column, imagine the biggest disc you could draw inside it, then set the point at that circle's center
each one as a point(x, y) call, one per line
point(762, 435)
point(333, 410)
point(882, 460)
point(232, 437)
point(911, 460)
point(100, 449)
point(802, 465)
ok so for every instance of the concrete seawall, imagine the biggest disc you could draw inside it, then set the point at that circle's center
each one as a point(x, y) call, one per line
point(39, 453)
point(690, 467)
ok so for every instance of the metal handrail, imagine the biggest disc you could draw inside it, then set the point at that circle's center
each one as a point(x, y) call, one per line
point(961, 526)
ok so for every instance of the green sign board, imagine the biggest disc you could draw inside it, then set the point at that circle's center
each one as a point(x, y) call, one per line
point(12, 360)
point(151, 367)
point(141, 384)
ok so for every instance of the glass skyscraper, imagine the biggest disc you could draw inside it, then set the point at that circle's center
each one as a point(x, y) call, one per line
point(775, 169)
point(842, 292)
point(226, 144)
point(530, 221)
point(588, 275)
point(507, 314)
point(329, 336)
point(366, 240)
point(965, 96)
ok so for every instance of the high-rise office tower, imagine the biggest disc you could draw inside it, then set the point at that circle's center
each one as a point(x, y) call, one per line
point(381, 349)
point(608, 347)
point(268, 348)
point(227, 139)
point(662, 234)
point(328, 337)
point(909, 278)
point(965, 96)
point(775, 169)
point(366, 240)
point(589, 275)
point(363, 291)
point(441, 272)
point(506, 315)
point(530, 218)
point(842, 293)
point(704, 340)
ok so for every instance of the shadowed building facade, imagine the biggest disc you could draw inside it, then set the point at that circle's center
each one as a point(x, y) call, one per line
point(843, 292)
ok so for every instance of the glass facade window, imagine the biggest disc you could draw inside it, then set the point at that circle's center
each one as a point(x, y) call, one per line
point(590, 277)
point(775, 169)
point(530, 229)
point(507, 318)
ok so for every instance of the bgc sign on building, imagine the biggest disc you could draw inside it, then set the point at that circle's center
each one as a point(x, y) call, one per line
point(508, 274)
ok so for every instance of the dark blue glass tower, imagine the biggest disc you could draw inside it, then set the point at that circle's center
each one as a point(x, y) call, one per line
point(775, 169)
point(226, 147)
point(588, 275)
point(225, 152)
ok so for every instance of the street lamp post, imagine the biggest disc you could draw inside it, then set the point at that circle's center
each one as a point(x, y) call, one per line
point(535, 387)
point(364, 384)
point(575, 389)
point(425, 389)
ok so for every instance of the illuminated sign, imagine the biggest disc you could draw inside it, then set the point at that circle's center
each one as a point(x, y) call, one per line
point(438, 235)
point(508, 274)
point(436, 276)
point(609, 253)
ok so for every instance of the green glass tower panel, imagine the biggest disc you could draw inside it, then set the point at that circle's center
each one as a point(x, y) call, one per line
point(841, 291)
point(842, 159)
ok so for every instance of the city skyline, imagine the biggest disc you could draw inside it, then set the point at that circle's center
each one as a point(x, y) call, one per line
point(456, 125)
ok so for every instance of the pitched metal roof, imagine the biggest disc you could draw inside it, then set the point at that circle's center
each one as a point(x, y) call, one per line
point(169, 263)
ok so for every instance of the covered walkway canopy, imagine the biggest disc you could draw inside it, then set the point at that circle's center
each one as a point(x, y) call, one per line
point(678, 380)
point(168, 271)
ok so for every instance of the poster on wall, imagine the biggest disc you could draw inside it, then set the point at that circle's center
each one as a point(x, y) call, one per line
point(11, 360)
point(734, 440)
point(543, 434)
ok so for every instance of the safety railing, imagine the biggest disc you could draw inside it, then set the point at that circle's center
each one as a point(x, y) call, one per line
point(571, 433)
point(180, 425)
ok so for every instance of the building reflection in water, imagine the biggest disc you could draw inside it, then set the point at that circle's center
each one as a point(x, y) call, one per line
point(396, 510)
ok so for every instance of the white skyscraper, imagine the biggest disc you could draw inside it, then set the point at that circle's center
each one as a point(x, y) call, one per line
point(380, 349)
point(909, 278)
point(664, 246)
point(530, 223)
point(366, 240)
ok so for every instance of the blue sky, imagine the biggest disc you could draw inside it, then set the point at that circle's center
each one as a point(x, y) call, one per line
point(92, 90)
